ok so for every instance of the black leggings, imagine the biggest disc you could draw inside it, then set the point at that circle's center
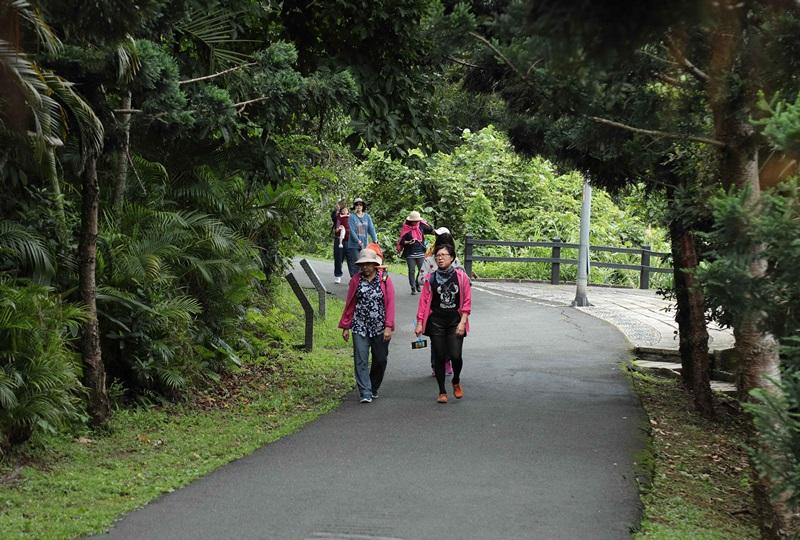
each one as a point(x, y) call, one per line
point(447, 347)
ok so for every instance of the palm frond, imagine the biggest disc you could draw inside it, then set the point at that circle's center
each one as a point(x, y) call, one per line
point(8, 384)
point(212, 29)
point(89, 125)
point(30, 79)
point(150, 172)
point(129, 60)
point(45, 34)
point(24, 246)
point(178, 308)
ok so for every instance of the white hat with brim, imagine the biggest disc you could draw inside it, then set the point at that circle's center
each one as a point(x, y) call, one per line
point(441, 230)
point(413, 216)
point(368, 256)
point(359, 200)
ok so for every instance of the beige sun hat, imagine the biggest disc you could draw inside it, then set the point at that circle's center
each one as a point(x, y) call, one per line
point(369, 256)
point(413, 216)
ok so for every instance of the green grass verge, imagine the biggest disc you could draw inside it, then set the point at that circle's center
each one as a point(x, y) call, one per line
point(67, 486)
point(699, 484)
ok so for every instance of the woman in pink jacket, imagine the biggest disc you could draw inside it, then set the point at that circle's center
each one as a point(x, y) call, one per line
point(369, 315)
point(443, 316)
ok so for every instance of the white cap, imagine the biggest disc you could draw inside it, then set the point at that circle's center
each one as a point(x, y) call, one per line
point(441, 230)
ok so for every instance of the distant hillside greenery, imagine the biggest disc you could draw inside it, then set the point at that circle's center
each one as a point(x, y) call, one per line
point(484, 189)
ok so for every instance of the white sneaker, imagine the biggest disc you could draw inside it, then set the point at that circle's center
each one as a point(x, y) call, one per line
point(337, 280)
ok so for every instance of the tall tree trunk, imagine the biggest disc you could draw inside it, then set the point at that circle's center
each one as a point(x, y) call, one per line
point(94, 374)
point(734, 78)
point(758, 352)
point(691, 319)
point(121, 181)
point(756, 348)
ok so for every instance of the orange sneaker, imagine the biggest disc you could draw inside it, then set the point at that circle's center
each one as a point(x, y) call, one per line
point(442, 398)
point(457, 391)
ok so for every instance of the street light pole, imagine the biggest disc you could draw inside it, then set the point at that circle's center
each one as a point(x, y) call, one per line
point(583, 251)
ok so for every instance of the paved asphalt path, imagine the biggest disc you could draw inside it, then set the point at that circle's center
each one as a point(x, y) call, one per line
point(541, 446)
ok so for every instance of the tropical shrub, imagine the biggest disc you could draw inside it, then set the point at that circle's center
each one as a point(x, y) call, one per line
point(40, 385)
point(169, 282)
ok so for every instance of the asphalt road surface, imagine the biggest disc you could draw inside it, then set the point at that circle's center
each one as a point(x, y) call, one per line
point(541, 446)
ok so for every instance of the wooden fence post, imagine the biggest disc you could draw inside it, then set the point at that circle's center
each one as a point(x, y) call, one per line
point(644, 273)
point(307, 309)
point(468, 255)
point(555, 266)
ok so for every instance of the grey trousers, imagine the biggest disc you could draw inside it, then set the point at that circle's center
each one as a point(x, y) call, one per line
point(414, 270)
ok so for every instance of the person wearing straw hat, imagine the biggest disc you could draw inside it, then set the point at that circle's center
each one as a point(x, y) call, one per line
point(369, 316)
point(361, 230)
point(411, 246)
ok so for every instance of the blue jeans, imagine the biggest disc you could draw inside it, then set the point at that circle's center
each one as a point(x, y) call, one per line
point(369, 379)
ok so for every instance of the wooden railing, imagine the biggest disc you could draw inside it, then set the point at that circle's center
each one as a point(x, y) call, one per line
point(555, 260)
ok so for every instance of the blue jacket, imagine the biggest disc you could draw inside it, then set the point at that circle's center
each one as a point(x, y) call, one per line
point(361, 229)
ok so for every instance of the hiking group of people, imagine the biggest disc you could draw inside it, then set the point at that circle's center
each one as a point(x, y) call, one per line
point(352, 232)
point(369, 314)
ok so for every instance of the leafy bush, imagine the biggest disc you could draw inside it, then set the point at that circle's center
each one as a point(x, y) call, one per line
point(777, 420)
point(39, 372)
point(170, 283)
point(483, 188)
point(733, 292)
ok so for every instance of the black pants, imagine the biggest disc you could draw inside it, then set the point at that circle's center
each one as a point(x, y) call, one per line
point(447, 347)
point(414, 268)
point(351, 256)
point(338, 258)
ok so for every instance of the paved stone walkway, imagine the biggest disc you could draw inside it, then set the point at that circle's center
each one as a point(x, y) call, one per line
point(644, 317)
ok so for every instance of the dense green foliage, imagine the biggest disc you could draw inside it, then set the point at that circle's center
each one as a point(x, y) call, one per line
point(484, 189)
point(734, 292)
point(686, 98)
point(223, 132)
point(69, 486)
point(219, 132)
point(39, 375)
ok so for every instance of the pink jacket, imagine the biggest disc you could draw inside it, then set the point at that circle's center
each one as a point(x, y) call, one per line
point(350, 304)
point(416, 234)
point(465, 298)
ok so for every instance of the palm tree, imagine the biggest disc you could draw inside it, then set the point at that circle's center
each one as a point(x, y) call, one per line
point(51, 102)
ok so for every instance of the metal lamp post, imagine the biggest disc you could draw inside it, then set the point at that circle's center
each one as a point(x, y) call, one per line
point(583, 251)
